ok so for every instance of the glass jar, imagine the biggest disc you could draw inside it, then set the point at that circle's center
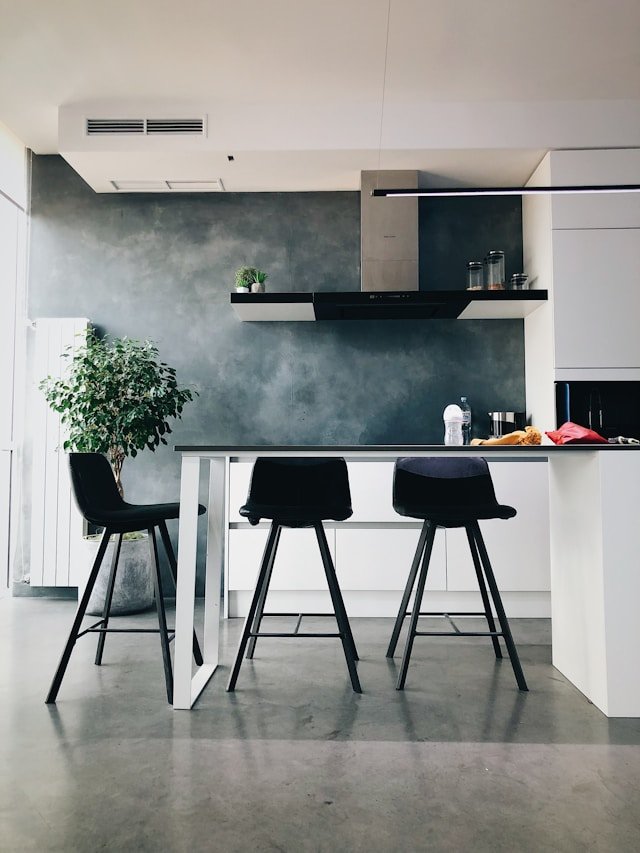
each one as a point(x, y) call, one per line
point(518, 281)
point(494, 270)
point(474, 276)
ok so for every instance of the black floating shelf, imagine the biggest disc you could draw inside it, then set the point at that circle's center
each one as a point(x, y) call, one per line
point(388, 305)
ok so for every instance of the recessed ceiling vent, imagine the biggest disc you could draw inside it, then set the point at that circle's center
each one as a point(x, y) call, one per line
point(146, 126)
point(192, 126)
point(99, 126)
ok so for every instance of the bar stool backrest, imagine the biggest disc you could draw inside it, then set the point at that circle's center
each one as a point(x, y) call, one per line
point(307, 489)
point(445, 488)
point(94, 485)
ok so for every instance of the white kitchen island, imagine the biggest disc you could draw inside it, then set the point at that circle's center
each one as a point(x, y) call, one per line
point(594, 497)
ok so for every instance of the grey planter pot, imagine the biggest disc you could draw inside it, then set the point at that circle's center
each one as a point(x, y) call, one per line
point(133, 591)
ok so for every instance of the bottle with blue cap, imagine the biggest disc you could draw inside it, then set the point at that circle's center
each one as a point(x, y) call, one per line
point(452, 417)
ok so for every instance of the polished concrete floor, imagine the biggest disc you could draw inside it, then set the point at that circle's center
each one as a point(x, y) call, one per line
point(294, 761)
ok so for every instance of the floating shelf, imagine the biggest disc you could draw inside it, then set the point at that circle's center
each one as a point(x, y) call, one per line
point(388, 305)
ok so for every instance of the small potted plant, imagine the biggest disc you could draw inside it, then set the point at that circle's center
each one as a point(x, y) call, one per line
point(116, 398)
point(259, 278)
point(245, 276)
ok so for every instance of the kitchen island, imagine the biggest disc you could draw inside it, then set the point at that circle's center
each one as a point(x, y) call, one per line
point(594, 496)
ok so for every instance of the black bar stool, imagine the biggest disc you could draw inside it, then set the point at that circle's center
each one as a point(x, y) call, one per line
point(449, 492)
point(296, 493)
point(99, 501)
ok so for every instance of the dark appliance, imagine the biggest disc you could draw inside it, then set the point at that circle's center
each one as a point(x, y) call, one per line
point(609, 408)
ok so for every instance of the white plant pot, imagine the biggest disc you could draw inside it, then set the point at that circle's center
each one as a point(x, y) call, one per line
point(242, 290)
point(133, 590)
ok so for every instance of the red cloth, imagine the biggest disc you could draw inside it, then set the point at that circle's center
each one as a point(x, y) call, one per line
point(570, 433)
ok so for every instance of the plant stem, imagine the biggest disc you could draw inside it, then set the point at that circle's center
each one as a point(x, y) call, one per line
point(116, 457)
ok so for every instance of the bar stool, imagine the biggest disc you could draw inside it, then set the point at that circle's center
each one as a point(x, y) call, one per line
point(449, 492)
point(296, 493)
point(99, 501)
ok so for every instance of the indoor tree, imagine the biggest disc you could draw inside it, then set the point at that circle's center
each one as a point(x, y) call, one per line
point(115, 398)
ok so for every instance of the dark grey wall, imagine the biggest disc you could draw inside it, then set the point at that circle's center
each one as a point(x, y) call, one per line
point(161, 267)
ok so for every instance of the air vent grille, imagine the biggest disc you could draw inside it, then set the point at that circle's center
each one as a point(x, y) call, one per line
point(96, 126)
point(193, 126)
point(146, 127)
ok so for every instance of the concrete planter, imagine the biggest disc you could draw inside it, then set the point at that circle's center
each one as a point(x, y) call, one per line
point(133, 591)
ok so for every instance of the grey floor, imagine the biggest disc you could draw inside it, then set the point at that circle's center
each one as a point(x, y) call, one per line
point(294, 761)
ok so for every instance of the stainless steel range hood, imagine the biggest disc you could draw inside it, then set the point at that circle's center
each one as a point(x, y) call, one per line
point(388, 233)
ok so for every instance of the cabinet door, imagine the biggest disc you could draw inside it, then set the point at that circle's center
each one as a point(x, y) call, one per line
point(298, 564)
point(596, 298)
point(371, 485)
point(519, 547)
point(381, 559)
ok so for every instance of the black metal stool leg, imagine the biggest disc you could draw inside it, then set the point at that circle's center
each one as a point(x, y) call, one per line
point(108, 598)
point(404, 604)
point(502, 617)
point(166, 541)
point(483, 592)
point(248, 622)
point(162, 619)
point(415, 611)
point(324, 551)
point(257, 622)
point(75, 628)
point(338, 608)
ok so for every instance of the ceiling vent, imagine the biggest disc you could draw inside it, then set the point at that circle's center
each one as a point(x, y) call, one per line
point(146, 126)
point(99, 126)
point(191, 126)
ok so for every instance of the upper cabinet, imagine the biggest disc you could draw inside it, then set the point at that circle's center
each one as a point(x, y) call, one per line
point(596, 301)
point(585, 251)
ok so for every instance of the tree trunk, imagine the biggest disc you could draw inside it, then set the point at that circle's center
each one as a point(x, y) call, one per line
point(116, 457)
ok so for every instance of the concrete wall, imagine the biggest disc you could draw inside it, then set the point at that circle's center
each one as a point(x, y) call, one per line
point(161, 267)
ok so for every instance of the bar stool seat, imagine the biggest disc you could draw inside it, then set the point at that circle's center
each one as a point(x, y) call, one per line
point(296, 493)
point(99, 501)
point(449, 492)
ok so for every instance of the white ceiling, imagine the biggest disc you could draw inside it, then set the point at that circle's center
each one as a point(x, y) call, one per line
point(474, 92)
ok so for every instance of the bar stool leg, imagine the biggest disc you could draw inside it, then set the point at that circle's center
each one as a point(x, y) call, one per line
point(483, 592)
point(257, 622)
point(248, 622)
point(108, 599)
point(339, 609)
point(502, 617)
point(324, 551)
point(415, 611)
point(166, 541)
point(75, 628)
point(404, 604)
point(162, 619)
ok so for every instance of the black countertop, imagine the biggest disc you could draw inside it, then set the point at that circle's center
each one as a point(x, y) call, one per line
point(402, 449)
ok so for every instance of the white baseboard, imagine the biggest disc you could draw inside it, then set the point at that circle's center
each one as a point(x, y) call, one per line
point(536, 605)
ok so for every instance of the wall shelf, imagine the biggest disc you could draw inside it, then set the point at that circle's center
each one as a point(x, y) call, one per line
point(388, 305)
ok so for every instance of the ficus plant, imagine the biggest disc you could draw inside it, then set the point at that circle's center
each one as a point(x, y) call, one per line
point(115, 398)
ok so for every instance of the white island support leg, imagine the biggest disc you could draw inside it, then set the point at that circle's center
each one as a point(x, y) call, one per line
point(595, 576)
point(187, 686)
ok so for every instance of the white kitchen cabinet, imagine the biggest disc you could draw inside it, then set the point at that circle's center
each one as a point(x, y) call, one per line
point(518, 547)
point(298, 565)
point(595, 167)
point(380, 559)
point(596, 298)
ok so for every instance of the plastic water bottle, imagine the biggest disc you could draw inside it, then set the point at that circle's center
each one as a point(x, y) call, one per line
point(452, 417)
point(466, 420)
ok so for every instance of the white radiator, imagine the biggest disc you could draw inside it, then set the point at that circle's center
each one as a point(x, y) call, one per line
point(56, 557)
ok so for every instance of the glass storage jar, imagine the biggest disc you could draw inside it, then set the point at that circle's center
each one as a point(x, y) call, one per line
point(518, 281)
point(474, 276)
point(494, 270)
